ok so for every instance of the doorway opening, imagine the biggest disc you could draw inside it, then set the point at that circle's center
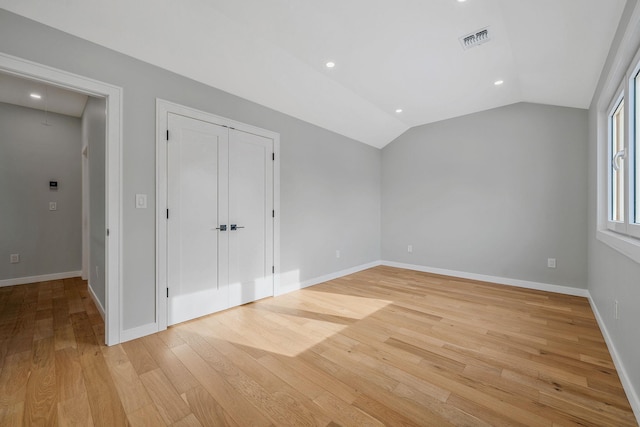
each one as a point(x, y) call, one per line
point(110, 97)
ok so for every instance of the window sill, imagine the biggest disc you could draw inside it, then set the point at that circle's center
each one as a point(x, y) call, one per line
point(626, 245)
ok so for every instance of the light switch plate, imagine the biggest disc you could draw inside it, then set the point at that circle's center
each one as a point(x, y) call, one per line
point(141, 201)
point(53, 206)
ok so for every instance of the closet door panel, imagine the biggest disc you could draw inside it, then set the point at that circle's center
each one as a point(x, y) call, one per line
point(250, 210)
point(197, 200)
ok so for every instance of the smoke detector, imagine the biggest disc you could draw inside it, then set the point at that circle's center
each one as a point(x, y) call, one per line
point(476, 38)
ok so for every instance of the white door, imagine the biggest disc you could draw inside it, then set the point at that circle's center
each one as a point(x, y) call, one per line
point(197, 204)
point(250, 217)
point(220, 224)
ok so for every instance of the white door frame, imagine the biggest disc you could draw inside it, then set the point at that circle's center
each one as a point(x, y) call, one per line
point(113, 281)
point(163, 108)
point(86, 227)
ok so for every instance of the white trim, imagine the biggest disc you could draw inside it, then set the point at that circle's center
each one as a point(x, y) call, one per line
point(113, 95)
point(310, 282)
point(41, 278)
point(627, 384)
point(567, 290)
point(86, 227)
point(278, 214)
point(138, 332)
point(96, 301)
point(626, 245)
point(163, 108)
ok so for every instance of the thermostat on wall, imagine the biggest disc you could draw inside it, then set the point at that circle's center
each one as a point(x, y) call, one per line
point(53, 185)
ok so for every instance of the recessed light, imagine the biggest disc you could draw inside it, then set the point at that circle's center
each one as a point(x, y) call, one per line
point(461, 1)
point(399, 110)
point(36, 96)
point(498, 82)
point(330, 64)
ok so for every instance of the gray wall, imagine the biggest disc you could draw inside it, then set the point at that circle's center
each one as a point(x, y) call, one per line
point(31, 154)
point(494, 193)
point(309, 155)
point(332, 203)
point(93, 136)
point(611, 274)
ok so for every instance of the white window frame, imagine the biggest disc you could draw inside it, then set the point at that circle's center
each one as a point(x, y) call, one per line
point(620, 227)
point(633, 147)
point(624, 238)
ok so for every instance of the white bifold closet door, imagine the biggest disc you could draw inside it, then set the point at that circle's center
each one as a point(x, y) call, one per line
point(220, 225)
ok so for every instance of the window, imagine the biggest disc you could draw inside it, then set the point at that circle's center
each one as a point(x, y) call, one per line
point(619, 158)
point(617, 154)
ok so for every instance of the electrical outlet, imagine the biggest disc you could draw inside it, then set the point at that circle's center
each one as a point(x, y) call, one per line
point(14, 258)
point(615, 310)
point(338, 253)
point(410, 248)
point(551, 262)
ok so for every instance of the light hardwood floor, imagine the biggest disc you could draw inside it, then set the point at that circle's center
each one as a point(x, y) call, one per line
point(381, 347)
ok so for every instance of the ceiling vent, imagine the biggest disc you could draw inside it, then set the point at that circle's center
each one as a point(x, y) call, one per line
point(475, 39)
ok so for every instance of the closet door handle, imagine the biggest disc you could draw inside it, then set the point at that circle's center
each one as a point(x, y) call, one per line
point(223, 227)
point(234, 227)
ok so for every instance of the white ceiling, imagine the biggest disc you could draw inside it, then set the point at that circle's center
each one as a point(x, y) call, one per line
point(17, 91)
point(389, 53)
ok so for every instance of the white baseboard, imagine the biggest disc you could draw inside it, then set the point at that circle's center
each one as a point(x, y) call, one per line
point(632, 395)
point(138, 332)
point(567, 290)
point(42, 278)
point(310, 282)
point(96, 301)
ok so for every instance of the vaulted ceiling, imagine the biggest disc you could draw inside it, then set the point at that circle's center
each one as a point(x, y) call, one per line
point(388, 54)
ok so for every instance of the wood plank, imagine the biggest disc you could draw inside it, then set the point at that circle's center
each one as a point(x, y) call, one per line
point(106, 407)
point(188, 421)
point(75, 412)
point(12, 414)
point(206, 409)
point(132, 392)
point(41, 397)
point(13, 379)
point(139, 356)
point(147, 416)
point(168, 402)
point(229, 398)
point(69, 378)
point(344, 413)
point(171, 366)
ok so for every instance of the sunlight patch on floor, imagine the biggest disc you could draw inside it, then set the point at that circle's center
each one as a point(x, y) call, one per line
point(289, 327)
